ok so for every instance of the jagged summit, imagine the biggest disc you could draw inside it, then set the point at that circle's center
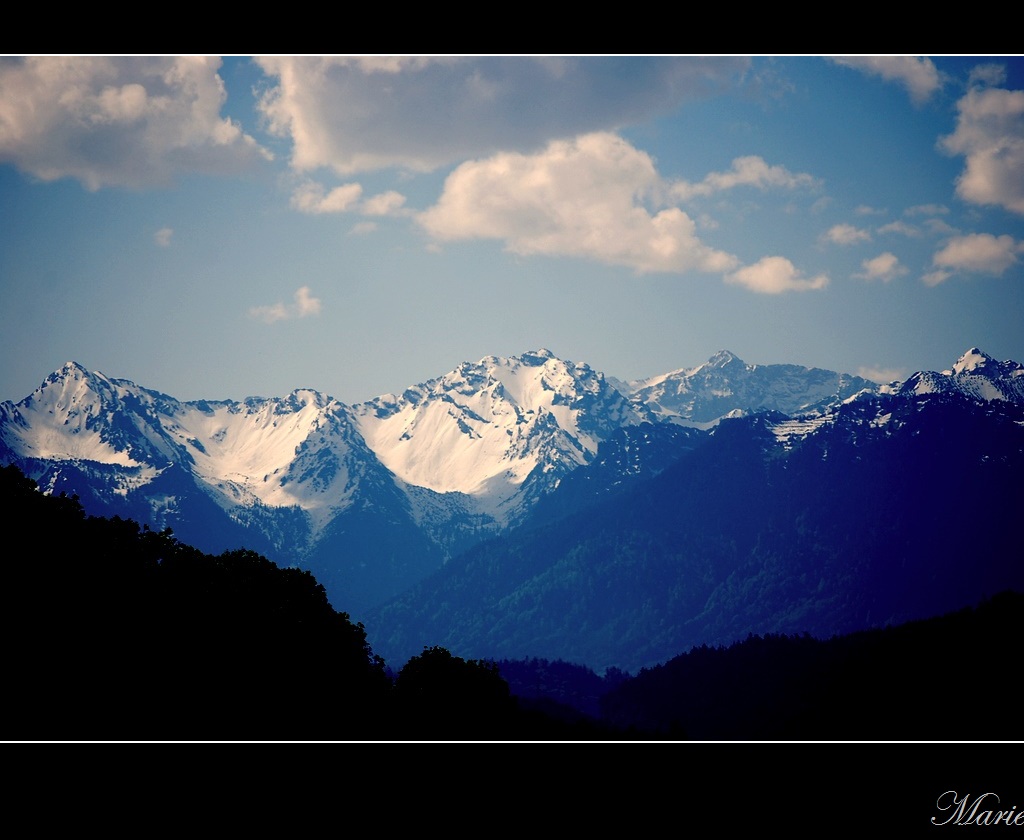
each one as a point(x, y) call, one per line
point(535, 358)
point(725, 385)
point(421, 474)
point(976, 375)
point(974, 360)
point(722, 359)
point(485, 428)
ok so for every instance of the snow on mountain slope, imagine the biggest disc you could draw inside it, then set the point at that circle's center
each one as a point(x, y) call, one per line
point(700, 396)
point(491, 437)
point(76, 415)
point(975, 375)
point(484, 428)
point(298, 451)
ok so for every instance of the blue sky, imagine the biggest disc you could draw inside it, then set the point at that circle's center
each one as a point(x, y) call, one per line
point(223, 227)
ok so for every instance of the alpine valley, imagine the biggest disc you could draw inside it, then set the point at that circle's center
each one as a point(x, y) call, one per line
point(531, 506)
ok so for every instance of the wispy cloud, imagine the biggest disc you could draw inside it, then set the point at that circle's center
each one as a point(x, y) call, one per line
point(163, 237)
point(388, 203)
point(987, 75)
point(581, 197)
point(314, 198)
point(353, 114)
point(775, 275)
point(750, 171)
point(926, 210)
point(900, 227)
point(303, 305)
point(845, 234)
point(119, 121)
point(990, 135)
point(884, 267)
point(918, 75)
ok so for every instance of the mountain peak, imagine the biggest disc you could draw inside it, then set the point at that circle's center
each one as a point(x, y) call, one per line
point(71, 370)
point(536, 358)
point(723, 358)
point(974, 360)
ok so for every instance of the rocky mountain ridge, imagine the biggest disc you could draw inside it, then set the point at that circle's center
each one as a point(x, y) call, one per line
point(350, 491)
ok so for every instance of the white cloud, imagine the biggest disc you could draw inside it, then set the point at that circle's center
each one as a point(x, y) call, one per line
point(774, 275)
point(990, 135)
point(901, 228)
point(311, 197)
point(118, 121)
point(304, 305)
point(987, 75)
point(388, 203)
point(865, 210)
point(357, 114)
point(363, 228)
point(980, 253)
point(918, 75)
point(580, 198)
point(163, 237)
point(883, 376)
point(884, 267)
point(750, 171)
point(845, 234)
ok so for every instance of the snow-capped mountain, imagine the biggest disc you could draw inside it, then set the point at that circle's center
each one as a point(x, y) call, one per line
point(976, 375)
point(499, 431)
point(298, 451)
point(891, 506)
point(374, 496)
point(726, 385)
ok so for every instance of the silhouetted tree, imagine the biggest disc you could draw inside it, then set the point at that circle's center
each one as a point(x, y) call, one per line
point(444, 697)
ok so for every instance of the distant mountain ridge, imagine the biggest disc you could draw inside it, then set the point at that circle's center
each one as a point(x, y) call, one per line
point(888, 508)
point(726, 385)
point(375, 496)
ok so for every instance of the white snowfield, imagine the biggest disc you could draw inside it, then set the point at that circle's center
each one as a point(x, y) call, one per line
point(484, 427)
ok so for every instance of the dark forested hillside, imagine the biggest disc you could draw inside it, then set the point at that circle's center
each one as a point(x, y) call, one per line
point(115, 632)
point(939, 679)
point(897, 510)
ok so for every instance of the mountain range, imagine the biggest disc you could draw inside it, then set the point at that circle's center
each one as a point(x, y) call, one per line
point(507, 479)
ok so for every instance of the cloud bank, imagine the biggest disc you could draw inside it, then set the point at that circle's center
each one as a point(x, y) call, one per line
point(351, 114)
point(119, 121)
